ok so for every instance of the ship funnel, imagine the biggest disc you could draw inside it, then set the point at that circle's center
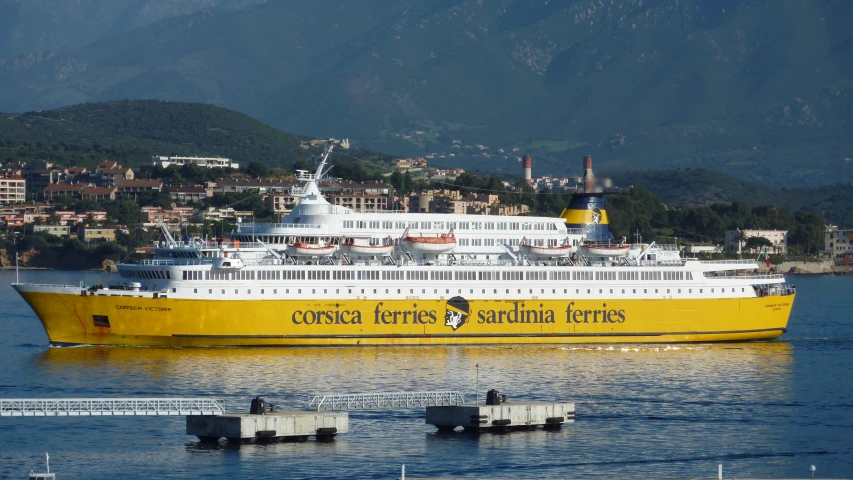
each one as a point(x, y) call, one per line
point(586, 209)
point(586, 212)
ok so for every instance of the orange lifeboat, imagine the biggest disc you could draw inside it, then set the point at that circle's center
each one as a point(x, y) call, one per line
point(604, 249)
point(353, 247)
point(539, 251)
point(443, 243)
point(302, 249)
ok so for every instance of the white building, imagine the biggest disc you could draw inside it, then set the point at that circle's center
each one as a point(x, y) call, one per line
point(838, 244)
point(778, 238)
point(13, 189)
point(206, 162)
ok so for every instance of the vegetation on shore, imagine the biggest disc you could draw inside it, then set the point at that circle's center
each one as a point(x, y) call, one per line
point(132, 131)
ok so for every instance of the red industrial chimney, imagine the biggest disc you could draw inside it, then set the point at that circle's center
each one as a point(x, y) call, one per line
point(527, 166)
point(588, 177)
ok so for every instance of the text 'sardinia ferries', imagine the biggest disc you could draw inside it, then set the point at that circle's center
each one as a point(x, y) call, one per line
point(329, 275)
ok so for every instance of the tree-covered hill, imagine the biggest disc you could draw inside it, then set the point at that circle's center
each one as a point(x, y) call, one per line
point(134, 130)
point(695, 187)
point(698, 186)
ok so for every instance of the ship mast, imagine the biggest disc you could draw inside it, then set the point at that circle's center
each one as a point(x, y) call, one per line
point(320, 168)
point(311, 180)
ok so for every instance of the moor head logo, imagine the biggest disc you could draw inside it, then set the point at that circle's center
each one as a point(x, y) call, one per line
point(456, 313)
point(596, 216)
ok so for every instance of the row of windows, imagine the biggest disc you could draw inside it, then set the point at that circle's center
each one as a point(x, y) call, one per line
point(464, 275)
point(442, 225)
point(489, 275)
point(605, 275)
point(462, 242)
point(256, 275)
point(148, 274)
point(417, 275)
point(508, 291)
point(442, 275)
point(476, 242)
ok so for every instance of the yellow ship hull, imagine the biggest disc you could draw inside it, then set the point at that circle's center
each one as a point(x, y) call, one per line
point(125, 320)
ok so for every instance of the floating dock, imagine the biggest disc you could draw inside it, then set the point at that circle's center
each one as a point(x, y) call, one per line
point(500, 415)
point(262, 424)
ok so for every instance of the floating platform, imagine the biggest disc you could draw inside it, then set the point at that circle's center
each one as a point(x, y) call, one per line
point(265, 423)
point(295, 425)
point(499, 415)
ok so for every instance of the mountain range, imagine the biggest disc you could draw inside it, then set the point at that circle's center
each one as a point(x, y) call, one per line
point(33, 25)
point(760, 89)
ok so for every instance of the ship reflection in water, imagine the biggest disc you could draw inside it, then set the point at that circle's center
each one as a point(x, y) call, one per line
point(589, 375)
point(694, 403)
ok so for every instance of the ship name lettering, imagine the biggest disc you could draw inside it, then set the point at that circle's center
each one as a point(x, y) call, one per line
point(326, 317)
point(147, 309)
point(518, 314)
point(594, 316)
point(405, 317)
point(158, 309)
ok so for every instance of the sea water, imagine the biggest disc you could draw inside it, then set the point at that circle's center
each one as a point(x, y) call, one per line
point(762, 409)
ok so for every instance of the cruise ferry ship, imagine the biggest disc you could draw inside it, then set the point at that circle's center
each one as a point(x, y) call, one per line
point(328, 275)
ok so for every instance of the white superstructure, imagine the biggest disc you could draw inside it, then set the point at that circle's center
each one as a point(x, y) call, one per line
point(331, 250)
point(205, 162)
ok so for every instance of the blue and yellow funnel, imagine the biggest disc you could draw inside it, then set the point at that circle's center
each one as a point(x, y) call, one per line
point(586, 211)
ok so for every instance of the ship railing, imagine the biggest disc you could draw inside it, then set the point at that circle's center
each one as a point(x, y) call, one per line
point(53, 285)
point(769, 276)
point(475, 263)
point(359, 401)
point(247, 227)
point(238, 244)
point(574, 231)
point(779, 289)
point(78, 407)
point(727, 262)
point(660, 263)
point(262, 261)
point(188, 261)
point(371, 210)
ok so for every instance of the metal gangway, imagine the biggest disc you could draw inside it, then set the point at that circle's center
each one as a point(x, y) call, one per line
point(359, 401)
point(84, 407)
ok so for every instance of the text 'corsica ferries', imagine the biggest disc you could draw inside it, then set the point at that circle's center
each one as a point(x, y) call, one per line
point(330, 275)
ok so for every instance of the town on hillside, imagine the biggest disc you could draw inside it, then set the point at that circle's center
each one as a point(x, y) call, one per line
point(44, 205)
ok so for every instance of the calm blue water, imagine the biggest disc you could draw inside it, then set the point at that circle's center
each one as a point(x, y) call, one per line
point(766, 409)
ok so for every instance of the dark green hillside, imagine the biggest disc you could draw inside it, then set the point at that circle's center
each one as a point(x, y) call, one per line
point(700, 187)
point(132, 131)
point(695, 187)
